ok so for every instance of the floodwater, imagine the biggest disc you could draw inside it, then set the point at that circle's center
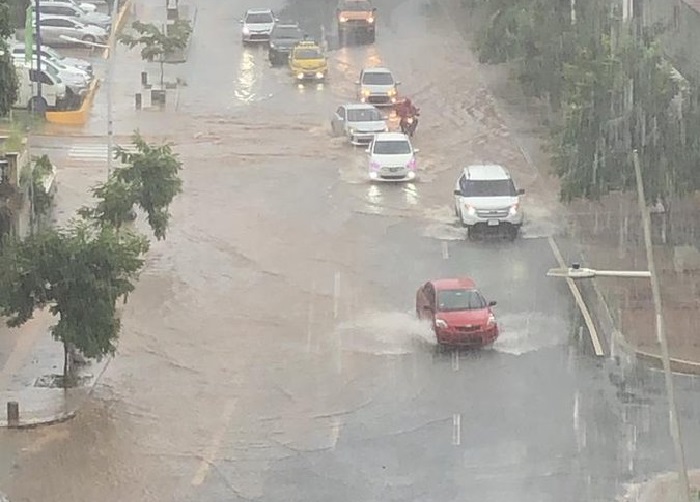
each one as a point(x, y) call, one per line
point(270, 351)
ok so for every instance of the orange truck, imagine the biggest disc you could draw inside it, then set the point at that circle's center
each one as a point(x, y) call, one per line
point(356, 19)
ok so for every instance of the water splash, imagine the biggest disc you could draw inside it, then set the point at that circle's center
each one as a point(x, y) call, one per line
point(385, 333)
point(528, 332)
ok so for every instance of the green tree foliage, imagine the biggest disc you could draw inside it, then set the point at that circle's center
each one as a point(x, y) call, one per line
point(79, 273)
point(43, 168)
point(157, 45)
point(613, 87)
point(149, 179)
point(8, 76)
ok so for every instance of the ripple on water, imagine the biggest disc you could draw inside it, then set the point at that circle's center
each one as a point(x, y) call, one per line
point(385, 333)
point(528, 332)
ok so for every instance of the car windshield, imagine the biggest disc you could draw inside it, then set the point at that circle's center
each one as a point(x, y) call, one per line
point(308, 54)
point(392, 147)
point(377, 78)
point(488, 188)
point(51, 70)
point(366, 115)
point(357, 6)
point(259, 18)
point(287, 32)
point(452, 300)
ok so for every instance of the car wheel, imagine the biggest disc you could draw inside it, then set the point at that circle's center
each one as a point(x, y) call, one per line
point(88, 38)
point(37, 104)
point(512, 233)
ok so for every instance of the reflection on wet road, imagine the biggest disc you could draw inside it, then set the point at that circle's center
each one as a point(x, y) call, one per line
point(271, 351)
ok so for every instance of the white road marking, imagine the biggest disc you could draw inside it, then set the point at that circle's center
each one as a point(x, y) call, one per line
point(445, 251)
point(455, 360)
point(456, 429)
point(336, 294)
point(310, 317)
point(597, 347)
point(211, 452)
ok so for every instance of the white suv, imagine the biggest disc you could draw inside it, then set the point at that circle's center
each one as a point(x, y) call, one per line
point(485, 196)
point(257, 25)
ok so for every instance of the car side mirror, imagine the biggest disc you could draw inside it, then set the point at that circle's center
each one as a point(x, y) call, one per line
point(416, 150)
point(357, 82)
point(493, 303)
point(457, 192)
point(398, 82)
point(374, 9)
point(521, 191)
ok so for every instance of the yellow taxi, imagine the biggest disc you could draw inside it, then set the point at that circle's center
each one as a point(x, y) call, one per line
point(308, 61)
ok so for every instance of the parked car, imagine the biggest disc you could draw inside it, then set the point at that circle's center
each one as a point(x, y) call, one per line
point(67, 9)
point(257, 25)
point(87, 7)
point(54, 28)
point(459, 314)
point(75, 79)
point(53, 91)
point(359, 122)
point(377, 86)
point(486, 198)
point(391, 157)
point(282, 39)
point(49, 53)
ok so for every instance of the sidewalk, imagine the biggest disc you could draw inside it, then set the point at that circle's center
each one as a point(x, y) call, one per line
point(661, 488)
point(37, 355)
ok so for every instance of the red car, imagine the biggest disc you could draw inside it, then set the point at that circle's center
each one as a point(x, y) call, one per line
point(460, 315)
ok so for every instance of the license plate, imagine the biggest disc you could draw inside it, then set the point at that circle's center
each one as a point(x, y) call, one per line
point(493, 223)
point(394, 169)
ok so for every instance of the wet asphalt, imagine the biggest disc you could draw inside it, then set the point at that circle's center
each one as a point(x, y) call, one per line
point(270, 351)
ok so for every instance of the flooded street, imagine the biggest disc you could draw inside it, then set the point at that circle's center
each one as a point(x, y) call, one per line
point(271, 350)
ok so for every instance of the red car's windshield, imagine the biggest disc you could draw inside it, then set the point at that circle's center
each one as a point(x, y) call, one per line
point(453, 300)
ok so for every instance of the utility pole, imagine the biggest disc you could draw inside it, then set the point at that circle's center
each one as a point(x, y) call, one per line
point(110, 75)
point(39, 107)
point(675, 425)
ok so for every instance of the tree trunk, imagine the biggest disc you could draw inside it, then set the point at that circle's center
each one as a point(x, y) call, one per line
point(66, 365)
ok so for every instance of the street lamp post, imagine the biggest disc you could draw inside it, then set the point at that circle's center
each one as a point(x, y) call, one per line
point(110, 73)
point(577, 272)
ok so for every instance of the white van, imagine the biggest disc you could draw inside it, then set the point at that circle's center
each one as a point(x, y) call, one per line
point(53, 91)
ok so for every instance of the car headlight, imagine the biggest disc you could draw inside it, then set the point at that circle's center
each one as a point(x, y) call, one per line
point(342, 19)
point(514, 209)
point(370, 20)
point(470, 209)
point(319, 74)
point(351, 131)
point(272, 45)
point(392, 92)
point(492, 321)
point(365, 92)
point(440, 323)
point(300, 75)
point(246, 30)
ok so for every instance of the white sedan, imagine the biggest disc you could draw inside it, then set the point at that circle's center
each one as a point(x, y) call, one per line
point(392, 157)
point(359, 122)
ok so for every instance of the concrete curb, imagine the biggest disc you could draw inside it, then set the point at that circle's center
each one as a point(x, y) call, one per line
point(64, 415)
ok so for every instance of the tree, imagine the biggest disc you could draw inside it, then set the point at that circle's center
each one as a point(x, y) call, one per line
point(8, 75)
point(79, 273)
point(42, 200)
point(149, 179)
point(158, 45)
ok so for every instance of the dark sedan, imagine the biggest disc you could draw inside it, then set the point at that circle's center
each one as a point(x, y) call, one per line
point(282, 39)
